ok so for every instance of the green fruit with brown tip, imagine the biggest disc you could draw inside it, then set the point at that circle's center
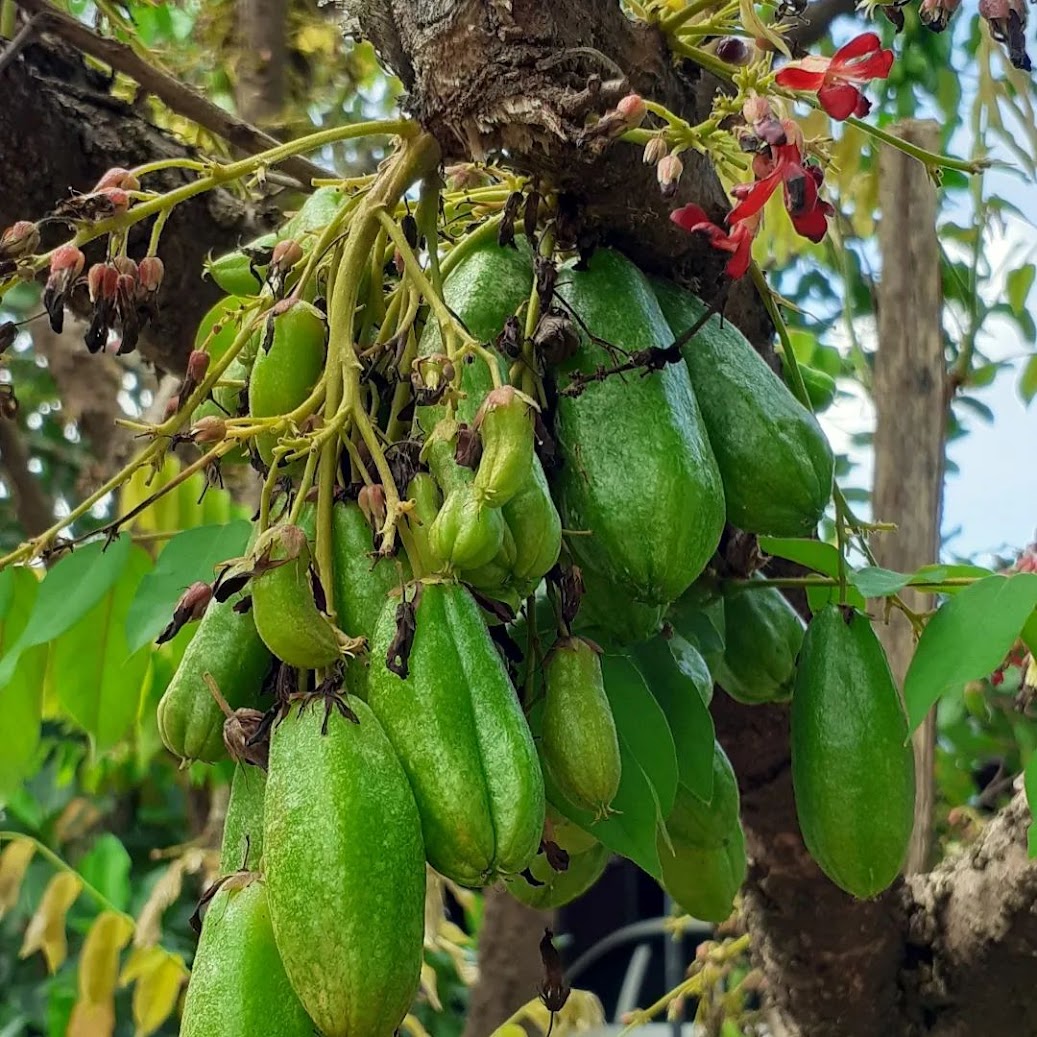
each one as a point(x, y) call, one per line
point(345, 870)
point(467, 533)
point(242, 846)
point(763, 637)
point(578, 740)
point(285, 373)
point(228, 647)
point(774, 459)
point(238, 984)
point(588, 860)
point(456, 723)
point(285, 610)
point(852, 764)
point(638, 476)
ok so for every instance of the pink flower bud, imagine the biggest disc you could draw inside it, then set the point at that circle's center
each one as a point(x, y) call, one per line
point(67, 261)
point(372, 503)
point(151, 271)
point(95, 280)
point(286, 254)
point(126, 266)
point(120, 178)
point(20, 239)
point(633, 109)
point(668, 173)
point(171, 407)
point(117, 198)
point(197, 365)
point(209, 429)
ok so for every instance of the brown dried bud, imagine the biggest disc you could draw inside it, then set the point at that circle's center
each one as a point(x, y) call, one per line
point(655, 150)
point(243, 737)
point(197, 365)
point(20, 239)
point(372, 503)
point(151, 271)
point(190, 608)
point(171, 407)
point(286, 254)
point(209, 429)
point(465, 175)
point(120, 178)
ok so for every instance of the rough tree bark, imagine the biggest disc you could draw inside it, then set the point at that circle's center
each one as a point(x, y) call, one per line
point(261, 67)
point(910, 393)
point(60, 129)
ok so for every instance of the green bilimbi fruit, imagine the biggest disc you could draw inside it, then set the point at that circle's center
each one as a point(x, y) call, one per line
point(578, 741)
point(362, 583)
point(763, 637)
point(284, 375)
point(705, 865)
point(459, 730)
point(852, 764)
point(506, 429)
point(345, 871)
point(536, 531)
point(466, 533)
point(773, 457)
point(242, 847)
point(638, 473)
point(588, 860)
point(219, 327)
point(238, 984)
point(427, 502)
point(285, 611)
point(228, 647)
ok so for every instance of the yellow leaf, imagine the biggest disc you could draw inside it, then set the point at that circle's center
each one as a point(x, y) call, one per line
point(318, 38)
point(99, 960)
point(92, 1020)
point(157, 989)
point(13, 861)
point(412, 1025)
point(46, 931)
point(510, 1030)
point(141, 960)
point(164, 893)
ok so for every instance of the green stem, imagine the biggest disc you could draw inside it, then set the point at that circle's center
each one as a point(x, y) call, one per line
point(7, 19)
point(675, 21)
point(930, 159)
point(48, 854)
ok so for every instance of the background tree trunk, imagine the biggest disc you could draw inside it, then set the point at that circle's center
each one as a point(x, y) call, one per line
point(262, 25)
point(910, 394)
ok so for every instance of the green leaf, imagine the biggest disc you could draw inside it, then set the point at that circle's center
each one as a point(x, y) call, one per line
point(1028, 380)
point(73, 587)
point(874, 582)
point(679, 692)
point(933, 576)
point(649, 777)
point(1029, 634)
point(21, 698)
point(107, 868)
point(967, 639)
point(96, 676)
point(1030, 784)
point(812, 554)
point(189, 556)
point(690, 662)
point(699, 623)
point(1017, 286)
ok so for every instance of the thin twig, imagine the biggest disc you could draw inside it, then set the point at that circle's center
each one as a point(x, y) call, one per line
point(14, 48)
point(174, 94)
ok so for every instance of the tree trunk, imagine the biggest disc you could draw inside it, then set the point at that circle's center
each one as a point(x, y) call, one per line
point(910, 394)
point(261, 72)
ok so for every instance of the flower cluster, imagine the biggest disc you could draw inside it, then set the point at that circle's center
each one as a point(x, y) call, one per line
point(780, 154)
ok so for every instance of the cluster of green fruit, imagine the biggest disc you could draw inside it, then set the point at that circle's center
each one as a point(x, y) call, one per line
point(458, 723)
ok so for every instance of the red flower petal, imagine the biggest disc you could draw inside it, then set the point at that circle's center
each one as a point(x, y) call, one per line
point(840, 100)
point(687, 217)
point(791, 77)
point(813, 223)
point(739, 262)
point(800, 191)
point(866, 43)
point(756, 197)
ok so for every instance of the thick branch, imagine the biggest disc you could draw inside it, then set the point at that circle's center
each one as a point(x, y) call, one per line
point(60, 129)
point(176, 95)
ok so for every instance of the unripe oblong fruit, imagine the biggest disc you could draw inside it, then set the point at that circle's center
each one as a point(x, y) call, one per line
point(586, 865)
point(238, 985)
point(579, 745)
point(284, 375)
point(608, 612)
point(638, 471)
point(775, 461)
point(763, 637)
point(536, 530)
point(852, 764)
point(506, 428)
point(361, 582)
point(706, 865)
point(345, 871)
point(286, 613)
point(463, 740)
point(227, 646)
point(242, 846)
point(466, 533)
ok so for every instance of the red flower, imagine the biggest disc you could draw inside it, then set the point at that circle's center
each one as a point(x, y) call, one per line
point(799, 184)
point(739, 241)
point(836, 78)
